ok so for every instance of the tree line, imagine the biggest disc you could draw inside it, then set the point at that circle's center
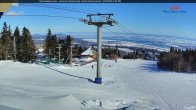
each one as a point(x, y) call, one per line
point(16, 46)
point(52, 43)
point(19, 46)
point(51, 48)
point(111, 52)
point(178, 60)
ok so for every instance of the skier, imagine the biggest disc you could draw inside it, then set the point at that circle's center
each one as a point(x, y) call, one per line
point(92, 66)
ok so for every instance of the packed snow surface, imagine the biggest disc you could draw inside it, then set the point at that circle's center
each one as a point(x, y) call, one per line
point(127, 85)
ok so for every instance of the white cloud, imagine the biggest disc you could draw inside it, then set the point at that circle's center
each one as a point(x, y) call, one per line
point(13, 13)
point(15, 4)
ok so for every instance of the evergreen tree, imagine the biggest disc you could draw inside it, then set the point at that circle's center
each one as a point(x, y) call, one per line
point(47, 42)
point(28, 46)
point(17, 35)
point(75, 49)
point(11, 48)
point(53, 45)
point(80, 50)
point(50, 44)
point(20, 48)
point(171, 49)
point(68, 42)
point(67, 49)
point(6, 40)
point(1, 49)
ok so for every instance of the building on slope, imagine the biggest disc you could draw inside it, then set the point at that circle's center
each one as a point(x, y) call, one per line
point(89, 53)
point(87, 56)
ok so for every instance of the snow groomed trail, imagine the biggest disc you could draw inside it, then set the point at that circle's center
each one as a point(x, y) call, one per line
point(127, 85)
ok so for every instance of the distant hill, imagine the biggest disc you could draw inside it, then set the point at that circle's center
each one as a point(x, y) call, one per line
point(39, 39)
point(161, 42)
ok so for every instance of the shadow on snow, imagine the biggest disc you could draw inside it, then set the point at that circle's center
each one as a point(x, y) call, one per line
point(149, 67)
point(90, 80)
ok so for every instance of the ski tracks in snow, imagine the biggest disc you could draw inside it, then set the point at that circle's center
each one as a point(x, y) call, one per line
point(158, 94)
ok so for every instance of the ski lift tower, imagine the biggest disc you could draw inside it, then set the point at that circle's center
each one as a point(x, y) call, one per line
point(103, 19)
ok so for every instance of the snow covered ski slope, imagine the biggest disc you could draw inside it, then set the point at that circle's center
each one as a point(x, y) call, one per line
point(127, 85)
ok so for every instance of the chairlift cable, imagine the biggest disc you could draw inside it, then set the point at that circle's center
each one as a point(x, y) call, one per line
point(85, 10)
point(57, 8)
point(42, 15)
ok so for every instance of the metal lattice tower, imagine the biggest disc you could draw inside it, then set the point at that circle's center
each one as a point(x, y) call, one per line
point(59, 47)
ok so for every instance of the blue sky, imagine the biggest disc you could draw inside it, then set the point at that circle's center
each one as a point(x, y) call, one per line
point(139, 18)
